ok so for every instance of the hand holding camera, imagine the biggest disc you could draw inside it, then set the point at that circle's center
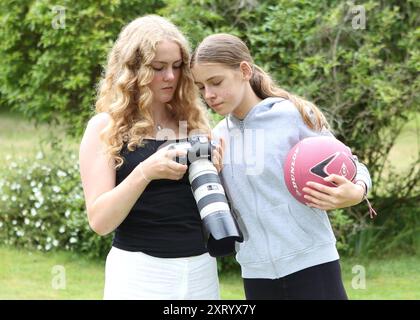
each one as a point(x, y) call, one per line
point(162, 164)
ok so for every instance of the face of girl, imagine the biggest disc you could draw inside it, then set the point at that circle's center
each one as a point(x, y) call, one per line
point(167, 66)
point(221, 87)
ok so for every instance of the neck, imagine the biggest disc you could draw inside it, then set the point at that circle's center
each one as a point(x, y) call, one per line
point(159, 113)
point(249, 101)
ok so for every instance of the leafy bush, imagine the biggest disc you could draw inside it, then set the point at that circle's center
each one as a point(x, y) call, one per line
point(42, 206)
point(51, 56)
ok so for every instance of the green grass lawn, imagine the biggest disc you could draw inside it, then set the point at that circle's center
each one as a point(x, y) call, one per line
point(30, 275)
point(407, 146)
point(22, 138)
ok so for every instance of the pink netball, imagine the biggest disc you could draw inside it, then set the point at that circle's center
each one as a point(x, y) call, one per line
point(313, 159)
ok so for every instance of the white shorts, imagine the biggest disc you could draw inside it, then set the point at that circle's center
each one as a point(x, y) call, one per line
point(135, 275)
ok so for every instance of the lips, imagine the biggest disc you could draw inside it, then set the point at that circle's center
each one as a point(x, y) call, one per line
point(216, 105)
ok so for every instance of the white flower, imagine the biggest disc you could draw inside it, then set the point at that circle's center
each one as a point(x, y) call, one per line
point(27, 221)
point(67, 213)
point(56, 189)
point(14, 222)
point(39, 155)
point(4, 198)
point(62, 229)
point(55, 243)
point(73, 240)
point(49, 239)
point(8, 157)
point(1, 224)
point(61, 173)
point(47, 246)
point(37, 205)
point(33, 184)
point(33, 212)
point(13, 198)
point(20, 233)
point(14, 186)
point(39, 247)
point(24, 212)
point(38, 223)
point(13, 165)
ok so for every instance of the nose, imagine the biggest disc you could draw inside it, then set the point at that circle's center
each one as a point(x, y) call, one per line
point(208, 94)
point(169, 75)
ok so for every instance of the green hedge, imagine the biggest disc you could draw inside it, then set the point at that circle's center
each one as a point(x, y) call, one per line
point(42, 206)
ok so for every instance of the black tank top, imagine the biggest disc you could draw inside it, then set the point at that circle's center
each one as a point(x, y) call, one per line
point(164, 222)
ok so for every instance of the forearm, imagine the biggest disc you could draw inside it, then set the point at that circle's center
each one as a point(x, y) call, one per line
point(112, 207)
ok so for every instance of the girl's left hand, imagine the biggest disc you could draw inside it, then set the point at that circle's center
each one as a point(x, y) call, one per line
point(346, 194)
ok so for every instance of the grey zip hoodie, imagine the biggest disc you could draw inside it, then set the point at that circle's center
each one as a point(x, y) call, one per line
point(282, 236)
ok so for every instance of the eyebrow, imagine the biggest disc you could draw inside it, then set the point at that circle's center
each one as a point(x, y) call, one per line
point(209, 79)
point(165, 62)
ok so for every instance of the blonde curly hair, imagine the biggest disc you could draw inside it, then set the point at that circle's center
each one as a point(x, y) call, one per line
point(123, 92)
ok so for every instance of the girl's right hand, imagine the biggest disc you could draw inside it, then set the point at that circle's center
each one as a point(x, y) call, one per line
point(161, 165)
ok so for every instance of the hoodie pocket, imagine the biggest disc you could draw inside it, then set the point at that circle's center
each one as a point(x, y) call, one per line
point(284, 236)
point(252, 250)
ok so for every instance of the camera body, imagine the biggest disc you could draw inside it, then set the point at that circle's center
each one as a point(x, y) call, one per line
point(198, 147)
point(219, 225)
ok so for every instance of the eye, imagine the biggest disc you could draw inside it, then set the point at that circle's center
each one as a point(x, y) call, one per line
point(157, 68)
point(177, 65)
point(216, 83)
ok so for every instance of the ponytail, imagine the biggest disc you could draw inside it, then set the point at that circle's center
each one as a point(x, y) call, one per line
point(264, 87)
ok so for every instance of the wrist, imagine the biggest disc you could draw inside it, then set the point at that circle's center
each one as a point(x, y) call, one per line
point(363, 188)
point(363, 185)
point(144, 172)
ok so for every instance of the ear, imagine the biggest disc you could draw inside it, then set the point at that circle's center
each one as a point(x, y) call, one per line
point(246, 70)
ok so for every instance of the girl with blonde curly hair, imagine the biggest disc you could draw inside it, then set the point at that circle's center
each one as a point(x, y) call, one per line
point(133, 187)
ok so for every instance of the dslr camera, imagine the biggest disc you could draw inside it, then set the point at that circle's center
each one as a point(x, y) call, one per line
point(220, 227)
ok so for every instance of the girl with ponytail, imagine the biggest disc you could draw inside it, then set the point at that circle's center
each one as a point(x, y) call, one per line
point(289, 250)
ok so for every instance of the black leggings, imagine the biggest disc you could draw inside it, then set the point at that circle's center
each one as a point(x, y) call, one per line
point(321, 282)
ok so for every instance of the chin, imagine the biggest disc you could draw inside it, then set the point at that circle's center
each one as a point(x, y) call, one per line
point(166, 100)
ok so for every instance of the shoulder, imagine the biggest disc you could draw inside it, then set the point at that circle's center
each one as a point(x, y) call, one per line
point(100, 120)
point(285, 108)
point(98, 123)
point(95, 127)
